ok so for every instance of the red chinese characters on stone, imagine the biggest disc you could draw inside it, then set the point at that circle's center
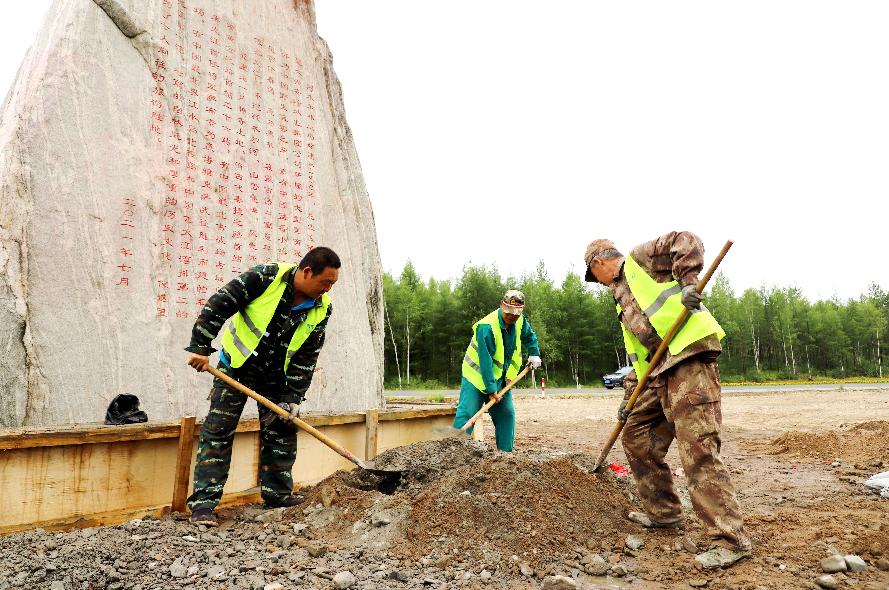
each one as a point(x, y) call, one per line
point(236, 120)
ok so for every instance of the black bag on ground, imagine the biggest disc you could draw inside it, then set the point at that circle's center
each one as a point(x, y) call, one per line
point(124, 409)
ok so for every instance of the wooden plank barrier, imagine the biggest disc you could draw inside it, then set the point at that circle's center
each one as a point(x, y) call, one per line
point(90, 475)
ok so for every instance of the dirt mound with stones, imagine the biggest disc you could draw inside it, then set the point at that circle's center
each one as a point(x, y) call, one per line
point(866, 443)
point(459, 497)
point(534, 507)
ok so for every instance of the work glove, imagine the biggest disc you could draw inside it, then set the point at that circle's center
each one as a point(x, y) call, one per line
point(271, 417)
point(622, 413)
point(535, 362)
point(691, 299)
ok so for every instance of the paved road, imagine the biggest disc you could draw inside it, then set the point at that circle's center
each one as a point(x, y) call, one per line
point(426, 393)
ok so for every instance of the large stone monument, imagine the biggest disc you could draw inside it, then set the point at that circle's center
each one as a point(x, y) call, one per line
point(150, 151)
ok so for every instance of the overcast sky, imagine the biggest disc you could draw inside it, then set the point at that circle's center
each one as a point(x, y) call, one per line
point(508, 132)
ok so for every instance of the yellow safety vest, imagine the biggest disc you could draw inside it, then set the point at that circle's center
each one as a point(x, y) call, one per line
point(662, 304)
point(471, 369)
point(247, 328)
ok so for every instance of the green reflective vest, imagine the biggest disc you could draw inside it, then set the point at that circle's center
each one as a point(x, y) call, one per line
point(471, 369)
point(248, 327)
point(662, 304)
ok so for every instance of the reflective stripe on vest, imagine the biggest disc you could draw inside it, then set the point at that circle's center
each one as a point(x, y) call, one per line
point(248, 327)
point(662, 304)
point(471, 369)
point(637, 354)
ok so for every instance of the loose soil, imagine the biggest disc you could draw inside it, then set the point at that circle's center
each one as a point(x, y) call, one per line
point(865, 444)
point(467, 516)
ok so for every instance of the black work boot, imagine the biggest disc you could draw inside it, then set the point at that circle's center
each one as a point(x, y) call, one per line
point(286, 502)
point(204, 516)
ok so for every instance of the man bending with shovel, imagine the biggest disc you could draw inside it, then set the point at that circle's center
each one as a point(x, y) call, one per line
point(271, 345)
point(652, 287)
point(497, 342)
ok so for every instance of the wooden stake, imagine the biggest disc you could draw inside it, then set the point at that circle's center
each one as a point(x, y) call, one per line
point(372, 422)
point(183, 463)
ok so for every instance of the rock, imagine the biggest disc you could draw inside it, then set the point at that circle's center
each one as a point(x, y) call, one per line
point(640, 518)
point(633, 542)
point(698, 582)
point(526, 569)
point(485, 575)
point(276, 586)
point(379, 520)
point(558, 583)
point(216, 572)
point(465, 493)
point(855, 563)
point(57, 585)
point(882, 564)
point(139, 169)
point(597, 566)
point(689, 545)
point(827, 582)
point(836, 464)
point(87, 533)
point(834, 564)
point(719, 557)
point(273, 515)
point(328, 496)
point(283, 541)
point(316, 550)
point(178, 570)
point(399, 575)
point(619, 570)
point(344, 580)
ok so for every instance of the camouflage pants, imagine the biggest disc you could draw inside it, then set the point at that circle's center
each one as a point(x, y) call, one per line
point(683, 404)
point(276, 456)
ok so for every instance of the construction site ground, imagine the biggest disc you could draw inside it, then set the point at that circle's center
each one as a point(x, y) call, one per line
point(466, 516)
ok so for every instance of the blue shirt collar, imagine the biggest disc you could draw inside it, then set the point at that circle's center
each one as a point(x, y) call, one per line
point(307, 304)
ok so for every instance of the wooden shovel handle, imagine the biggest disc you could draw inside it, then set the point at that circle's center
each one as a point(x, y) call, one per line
point(344, 452)
point(494, 399)
point(658, 355)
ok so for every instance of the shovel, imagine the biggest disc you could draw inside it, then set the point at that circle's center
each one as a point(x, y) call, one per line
point(659, 353)
point(368, 466)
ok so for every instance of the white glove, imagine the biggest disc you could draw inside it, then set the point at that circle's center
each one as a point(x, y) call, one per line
point(535, 362)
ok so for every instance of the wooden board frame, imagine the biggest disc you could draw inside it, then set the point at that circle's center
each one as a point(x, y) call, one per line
point(91, 475)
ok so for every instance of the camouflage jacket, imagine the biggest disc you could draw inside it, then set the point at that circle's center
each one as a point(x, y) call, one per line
point(264, 371)
point(675, 256)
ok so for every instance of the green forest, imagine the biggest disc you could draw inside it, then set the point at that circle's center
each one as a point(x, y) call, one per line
point(771, 332)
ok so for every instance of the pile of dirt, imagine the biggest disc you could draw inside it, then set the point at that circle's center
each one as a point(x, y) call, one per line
point(460, 497)
point(418, 464)
point(865, 443)
point(534, 507)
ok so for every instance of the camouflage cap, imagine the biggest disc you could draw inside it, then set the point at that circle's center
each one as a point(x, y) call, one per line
point(595, 248)
point(513, 302)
